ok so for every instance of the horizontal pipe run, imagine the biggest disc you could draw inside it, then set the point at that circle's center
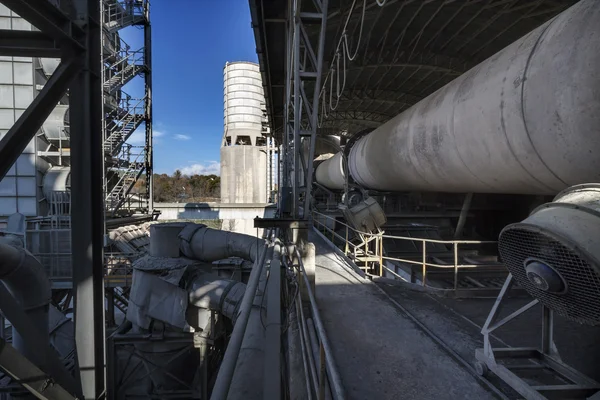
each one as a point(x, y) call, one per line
point(335, 380)
point(272, 381)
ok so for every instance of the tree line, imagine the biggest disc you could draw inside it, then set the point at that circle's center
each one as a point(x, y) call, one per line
point(186, 189)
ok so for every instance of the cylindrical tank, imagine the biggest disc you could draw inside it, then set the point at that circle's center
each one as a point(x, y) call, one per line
point(524, 121)
point(244, 101)
point(243, 174)
point(243, 151)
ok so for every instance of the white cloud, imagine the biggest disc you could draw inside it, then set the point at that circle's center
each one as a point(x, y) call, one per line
point(179, 136)
point(139, 136)
point(207, 168)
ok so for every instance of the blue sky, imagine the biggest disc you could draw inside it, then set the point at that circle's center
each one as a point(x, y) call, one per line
point(191, 41)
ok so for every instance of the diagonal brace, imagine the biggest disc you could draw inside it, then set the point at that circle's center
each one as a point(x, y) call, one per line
point(17, 138)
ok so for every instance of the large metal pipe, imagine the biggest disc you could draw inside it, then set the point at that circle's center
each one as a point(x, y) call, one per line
point(26, 279)
point(206, 244)
point(523, 121)
point(230, 358)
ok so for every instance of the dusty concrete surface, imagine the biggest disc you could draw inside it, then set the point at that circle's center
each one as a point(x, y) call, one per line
point(382, 354)
point(457, 322)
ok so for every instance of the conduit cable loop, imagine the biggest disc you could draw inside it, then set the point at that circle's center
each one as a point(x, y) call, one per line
point(345, 34)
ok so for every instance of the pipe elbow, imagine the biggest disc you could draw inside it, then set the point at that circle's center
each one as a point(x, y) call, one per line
point(24, 276)
point(202, 243)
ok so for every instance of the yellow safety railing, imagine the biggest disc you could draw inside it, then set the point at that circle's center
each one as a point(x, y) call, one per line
point(376, 252)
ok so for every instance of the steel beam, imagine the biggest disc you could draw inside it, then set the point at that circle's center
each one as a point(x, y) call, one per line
point(148, 118)
point(87, 205)
point(31, 377)
point(17, 138)
point(49, 19)
point(27, 44)
point(301, 75)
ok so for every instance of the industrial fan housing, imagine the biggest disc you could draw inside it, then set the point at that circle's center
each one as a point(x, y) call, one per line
point(555, 253)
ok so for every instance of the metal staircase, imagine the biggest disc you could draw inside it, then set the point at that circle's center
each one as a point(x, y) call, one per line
point(127, 167)
point(121, 14)
point(121, 299)
point(122, 122)
point(125, 66)
point(124, 162)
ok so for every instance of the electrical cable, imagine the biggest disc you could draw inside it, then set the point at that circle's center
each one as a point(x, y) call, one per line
point(345, 34)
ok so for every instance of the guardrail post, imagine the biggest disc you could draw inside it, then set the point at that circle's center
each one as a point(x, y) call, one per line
point(424, 273)
point(346, 242)
point(308, 258)
point(381, 255)
point(455, 265)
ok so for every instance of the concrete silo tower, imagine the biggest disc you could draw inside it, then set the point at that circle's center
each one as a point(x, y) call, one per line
point(244, 150)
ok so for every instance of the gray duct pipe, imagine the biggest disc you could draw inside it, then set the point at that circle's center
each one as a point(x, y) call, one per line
point(205, 244)
point(524, 121)
point(26, 279)
point(210, 292)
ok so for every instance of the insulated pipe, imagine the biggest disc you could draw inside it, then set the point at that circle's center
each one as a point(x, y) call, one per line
point(202, 243)
point(230, 358)
point(524, 121)
point(26, 279)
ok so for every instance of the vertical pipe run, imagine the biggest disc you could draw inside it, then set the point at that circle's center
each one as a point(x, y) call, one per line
point(225, 375)
point(463, 215)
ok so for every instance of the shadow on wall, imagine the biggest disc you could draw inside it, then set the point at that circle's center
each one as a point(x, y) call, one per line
point(235, 217)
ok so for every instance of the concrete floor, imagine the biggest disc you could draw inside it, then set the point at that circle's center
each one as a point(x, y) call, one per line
point(380, 352)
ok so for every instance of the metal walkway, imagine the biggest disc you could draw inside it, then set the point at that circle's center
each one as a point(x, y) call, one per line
point(380, 352)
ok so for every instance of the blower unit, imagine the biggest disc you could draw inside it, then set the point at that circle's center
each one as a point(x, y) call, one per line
point(554, 254)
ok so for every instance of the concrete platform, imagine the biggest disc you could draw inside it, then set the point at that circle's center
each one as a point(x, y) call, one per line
point(380, 352)
point(395, 340)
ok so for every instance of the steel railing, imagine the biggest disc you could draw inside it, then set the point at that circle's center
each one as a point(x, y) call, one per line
point(375, 253)
point(124, 13)
point(321, 374)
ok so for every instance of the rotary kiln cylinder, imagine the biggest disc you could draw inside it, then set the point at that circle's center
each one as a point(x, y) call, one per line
point(525, 121)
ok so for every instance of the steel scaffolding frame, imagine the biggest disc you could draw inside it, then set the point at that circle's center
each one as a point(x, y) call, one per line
point(118, 196)
point(304, 66)
point(76, 39)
